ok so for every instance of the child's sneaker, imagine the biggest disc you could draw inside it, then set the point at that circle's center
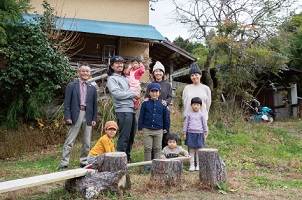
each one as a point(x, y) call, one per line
point(136, 103)
point(88, 166)
point(192, 168)
point(147, 168)
point(197, 168)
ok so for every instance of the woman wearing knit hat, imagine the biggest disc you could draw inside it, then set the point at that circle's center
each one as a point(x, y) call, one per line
point(196, 89)
point(105, 144)
point(166, 90)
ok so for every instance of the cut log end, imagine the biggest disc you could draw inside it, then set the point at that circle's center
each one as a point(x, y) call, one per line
point(113, 161)
point(116, 154)
point(209, 150)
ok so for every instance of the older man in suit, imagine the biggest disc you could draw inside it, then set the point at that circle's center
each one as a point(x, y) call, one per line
point(80, 111)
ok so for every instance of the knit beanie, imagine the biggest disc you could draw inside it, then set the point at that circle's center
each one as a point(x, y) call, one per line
point(194, 69)
point(158, 65)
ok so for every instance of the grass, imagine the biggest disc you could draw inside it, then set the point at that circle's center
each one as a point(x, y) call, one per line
point(264, 161)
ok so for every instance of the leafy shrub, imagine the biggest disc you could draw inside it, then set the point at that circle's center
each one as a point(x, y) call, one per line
point(32, 73)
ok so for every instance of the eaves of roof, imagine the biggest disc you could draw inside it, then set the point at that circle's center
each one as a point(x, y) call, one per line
point(159, 50)
point(106, 28)
point(165, 51)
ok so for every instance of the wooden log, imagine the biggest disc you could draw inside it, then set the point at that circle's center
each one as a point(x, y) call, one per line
point(100, 77)
point(111, 162)
point(212, 169)
point(111, 175)
point(167, 171)
point(150, 162)
point(95, 184)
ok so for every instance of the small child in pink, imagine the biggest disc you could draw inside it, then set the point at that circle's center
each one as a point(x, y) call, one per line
point(135, 71)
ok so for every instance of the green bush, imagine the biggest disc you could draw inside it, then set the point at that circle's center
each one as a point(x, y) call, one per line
point(32, 73)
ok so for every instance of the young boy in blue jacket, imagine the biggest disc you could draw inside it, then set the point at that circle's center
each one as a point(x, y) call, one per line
point(153, 122)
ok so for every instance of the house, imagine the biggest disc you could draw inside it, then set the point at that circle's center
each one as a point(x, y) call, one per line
point(283, 96)
point(105, 28)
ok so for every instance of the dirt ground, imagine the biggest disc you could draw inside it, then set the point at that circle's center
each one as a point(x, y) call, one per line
point(142, 188)
point(239, 187)
point(189, 189)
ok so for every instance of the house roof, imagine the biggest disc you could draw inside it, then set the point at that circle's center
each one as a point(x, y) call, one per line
point(159, 50)
point(106, 28)
point(164, 51)
point(183, 76)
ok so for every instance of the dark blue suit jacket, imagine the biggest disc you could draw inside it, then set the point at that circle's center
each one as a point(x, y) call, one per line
point(72, 102)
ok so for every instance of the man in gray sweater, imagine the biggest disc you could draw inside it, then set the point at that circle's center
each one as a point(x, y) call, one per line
point(122, 95)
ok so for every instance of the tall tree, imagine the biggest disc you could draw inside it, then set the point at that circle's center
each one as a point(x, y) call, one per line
point(33, 70)
point(293, 30)
point(186, 44)
point(248, 22)
point(290, 42)
point(11, 11)
point(195, 48)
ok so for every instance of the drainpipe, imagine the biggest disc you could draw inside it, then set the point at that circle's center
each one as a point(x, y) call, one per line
point(171, 72)
point(294, 100)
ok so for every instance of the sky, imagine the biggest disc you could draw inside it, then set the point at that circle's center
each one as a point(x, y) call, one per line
point(161, 19)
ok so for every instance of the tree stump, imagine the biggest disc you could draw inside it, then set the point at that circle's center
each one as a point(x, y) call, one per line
point(94, 184)
point(167, 171)
point(212, 169)
point(111, 162)
point(111, 175)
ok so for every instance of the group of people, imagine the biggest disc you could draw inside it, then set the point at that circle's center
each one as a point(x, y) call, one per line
point(80, 111)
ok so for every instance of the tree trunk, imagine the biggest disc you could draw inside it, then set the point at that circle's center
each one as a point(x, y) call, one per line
point(111, 175)
point(94, 184)
point(111, 162)
point(167, 171)
point(212, 169)
point(207, 74)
